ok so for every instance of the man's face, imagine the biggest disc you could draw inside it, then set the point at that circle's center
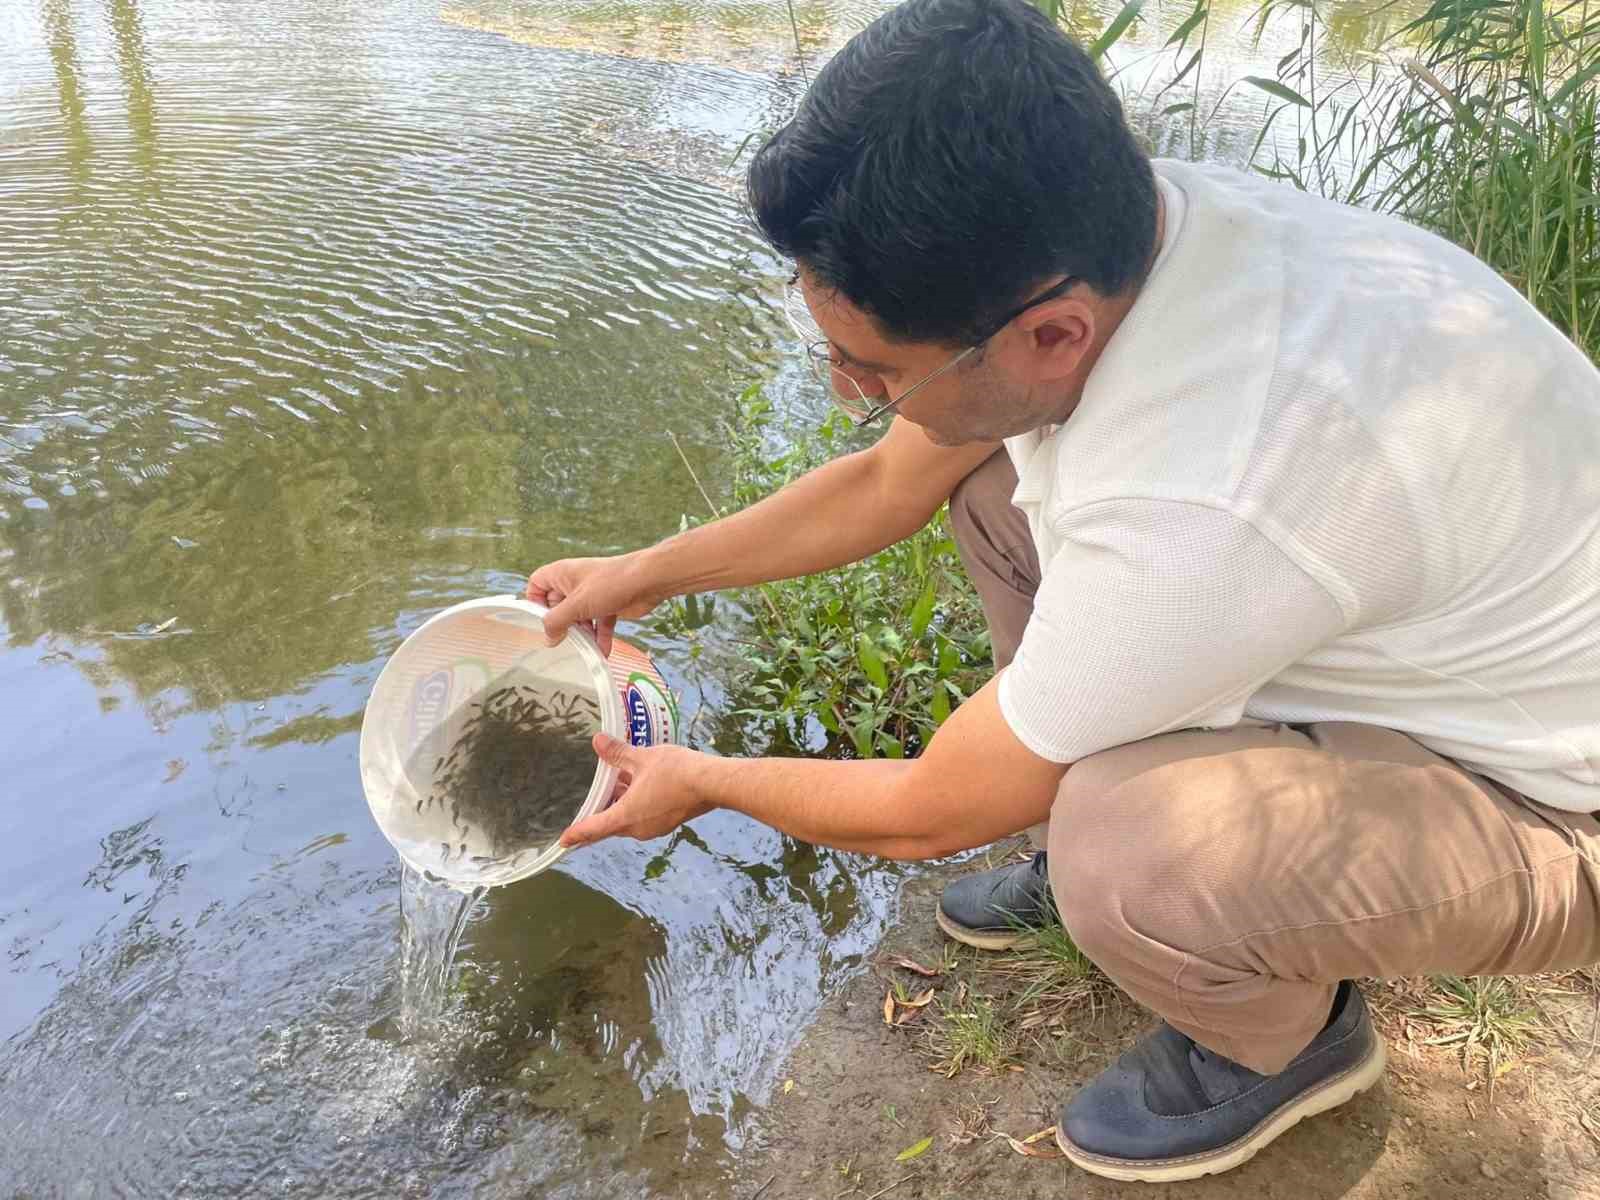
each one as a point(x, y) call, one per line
point(981, 399)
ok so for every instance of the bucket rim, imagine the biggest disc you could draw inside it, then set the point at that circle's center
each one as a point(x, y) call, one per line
point(613, 721)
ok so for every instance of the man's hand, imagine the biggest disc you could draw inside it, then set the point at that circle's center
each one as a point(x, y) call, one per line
point(591, 593)
point(974, 783)
point(656, 793)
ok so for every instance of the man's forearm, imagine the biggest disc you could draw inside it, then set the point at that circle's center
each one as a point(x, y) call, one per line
point(833, 515)
point(847, 805)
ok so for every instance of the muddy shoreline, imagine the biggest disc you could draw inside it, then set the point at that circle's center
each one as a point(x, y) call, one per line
point(857, 1093)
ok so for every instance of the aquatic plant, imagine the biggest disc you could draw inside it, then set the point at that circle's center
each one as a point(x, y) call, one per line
point(865, 660)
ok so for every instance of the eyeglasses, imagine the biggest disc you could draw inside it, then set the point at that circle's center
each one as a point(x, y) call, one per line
point(859, 407)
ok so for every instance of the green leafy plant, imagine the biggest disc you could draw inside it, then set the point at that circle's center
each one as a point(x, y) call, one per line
point(866, 660)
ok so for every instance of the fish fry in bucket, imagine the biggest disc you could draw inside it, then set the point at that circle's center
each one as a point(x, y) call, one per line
point(476, 743)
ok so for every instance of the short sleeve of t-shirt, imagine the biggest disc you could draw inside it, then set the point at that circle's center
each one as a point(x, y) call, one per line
point(1156, 615)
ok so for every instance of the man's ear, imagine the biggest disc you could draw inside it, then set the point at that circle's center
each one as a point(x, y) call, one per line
point(1057, 336)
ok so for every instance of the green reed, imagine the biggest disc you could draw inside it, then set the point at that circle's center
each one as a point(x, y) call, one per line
point(1495, 148)
point(1483, 129)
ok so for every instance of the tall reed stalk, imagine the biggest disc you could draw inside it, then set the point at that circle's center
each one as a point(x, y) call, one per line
point(1495, 147)
point(1484, 130)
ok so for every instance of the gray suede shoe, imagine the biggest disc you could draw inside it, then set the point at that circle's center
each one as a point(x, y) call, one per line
point(1170, 1109)
point(995, 910)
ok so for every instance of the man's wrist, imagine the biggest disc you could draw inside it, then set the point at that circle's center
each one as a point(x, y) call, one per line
point(669, 569)
point(707, 777)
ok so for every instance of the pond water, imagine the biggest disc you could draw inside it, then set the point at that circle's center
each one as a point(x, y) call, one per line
point(320, 316)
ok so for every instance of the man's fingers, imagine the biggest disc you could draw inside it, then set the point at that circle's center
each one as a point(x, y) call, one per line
point(603, 631)
point(537, 588)
point(558, 619)
point(618, 754)
point(592, 829)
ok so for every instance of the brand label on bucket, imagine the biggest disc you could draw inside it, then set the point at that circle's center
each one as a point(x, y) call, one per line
point(647, 704)
point(440, 692)
point(652, 716)
point(429, 704)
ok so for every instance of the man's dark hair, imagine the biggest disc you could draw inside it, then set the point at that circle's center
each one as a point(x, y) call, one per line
point(951, 157)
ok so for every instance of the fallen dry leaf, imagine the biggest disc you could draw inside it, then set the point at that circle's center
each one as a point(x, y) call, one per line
point(1029, 1146)
point(903, 1012)
point(900, 960)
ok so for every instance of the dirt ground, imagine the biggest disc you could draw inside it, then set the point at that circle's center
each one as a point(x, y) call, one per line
point(857, 1093)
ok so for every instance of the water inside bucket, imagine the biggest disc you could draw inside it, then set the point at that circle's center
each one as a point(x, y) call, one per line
point(506, 772)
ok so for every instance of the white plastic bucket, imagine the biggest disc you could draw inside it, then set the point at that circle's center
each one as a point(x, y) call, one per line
point(456, 665)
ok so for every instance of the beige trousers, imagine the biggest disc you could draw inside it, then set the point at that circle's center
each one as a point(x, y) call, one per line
point(1229, 879)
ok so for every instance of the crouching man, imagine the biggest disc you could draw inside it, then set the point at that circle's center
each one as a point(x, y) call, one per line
point(1284, 516)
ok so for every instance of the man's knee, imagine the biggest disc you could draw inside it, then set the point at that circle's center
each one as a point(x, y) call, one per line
point(1126, 851)
point(981, 496)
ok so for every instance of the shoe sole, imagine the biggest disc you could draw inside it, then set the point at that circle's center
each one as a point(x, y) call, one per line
point(980, 938)
point(1213, 1162)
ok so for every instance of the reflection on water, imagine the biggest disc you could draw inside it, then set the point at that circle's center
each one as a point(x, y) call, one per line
point(747, 36)
point(321, 315)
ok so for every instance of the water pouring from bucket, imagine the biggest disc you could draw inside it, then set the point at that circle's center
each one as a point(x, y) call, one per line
point(476, 744)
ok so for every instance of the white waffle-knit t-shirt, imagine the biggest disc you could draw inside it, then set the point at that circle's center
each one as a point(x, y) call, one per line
point(1329, 468)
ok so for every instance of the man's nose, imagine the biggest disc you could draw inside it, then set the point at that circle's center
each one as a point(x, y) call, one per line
point(847, 383)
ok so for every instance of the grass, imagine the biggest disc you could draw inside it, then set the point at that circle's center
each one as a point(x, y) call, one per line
point(998, 1007)
point(1025, 1003)
point(973, 1031)
point(1485, 1017)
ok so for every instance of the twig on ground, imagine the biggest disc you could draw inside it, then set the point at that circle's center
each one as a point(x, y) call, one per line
point(1594, 1031)
point(756, 1195)
point(890, 1188)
